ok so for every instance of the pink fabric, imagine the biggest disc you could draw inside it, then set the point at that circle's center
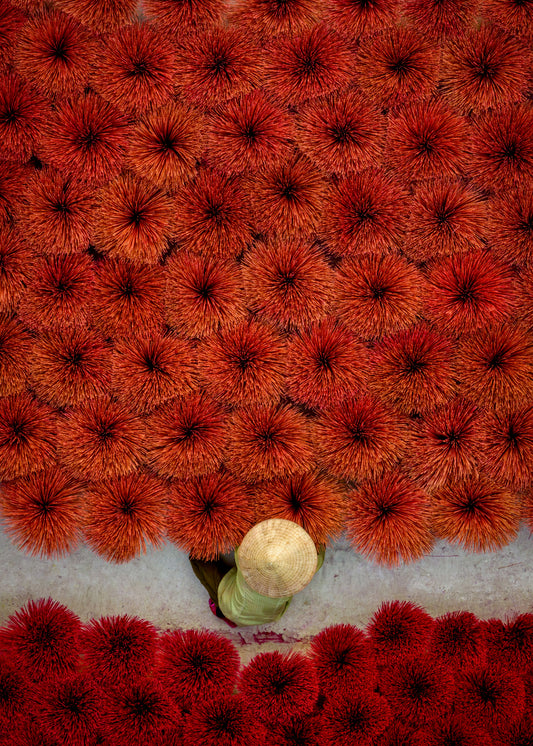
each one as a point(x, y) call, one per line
point(213, 608)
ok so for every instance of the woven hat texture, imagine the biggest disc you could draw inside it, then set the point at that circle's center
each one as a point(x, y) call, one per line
point(277, 558)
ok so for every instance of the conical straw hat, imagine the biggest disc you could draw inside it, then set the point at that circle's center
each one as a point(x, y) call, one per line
point(277, 558)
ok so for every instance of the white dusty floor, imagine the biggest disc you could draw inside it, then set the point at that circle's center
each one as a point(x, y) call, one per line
point(161, 587)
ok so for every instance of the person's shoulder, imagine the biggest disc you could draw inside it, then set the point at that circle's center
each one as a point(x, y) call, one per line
point(320, 557)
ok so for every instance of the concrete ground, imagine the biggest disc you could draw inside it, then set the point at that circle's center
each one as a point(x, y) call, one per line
point(160, 586)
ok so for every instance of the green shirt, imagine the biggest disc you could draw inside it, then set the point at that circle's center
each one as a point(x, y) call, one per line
point(246, 607)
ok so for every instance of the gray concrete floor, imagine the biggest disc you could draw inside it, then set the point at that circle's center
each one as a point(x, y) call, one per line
point(160, 586)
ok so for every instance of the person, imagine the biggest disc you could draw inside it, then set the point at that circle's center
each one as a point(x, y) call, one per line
point(276, 559)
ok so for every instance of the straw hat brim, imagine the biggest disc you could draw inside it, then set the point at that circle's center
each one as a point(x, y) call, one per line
point(277, 558)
